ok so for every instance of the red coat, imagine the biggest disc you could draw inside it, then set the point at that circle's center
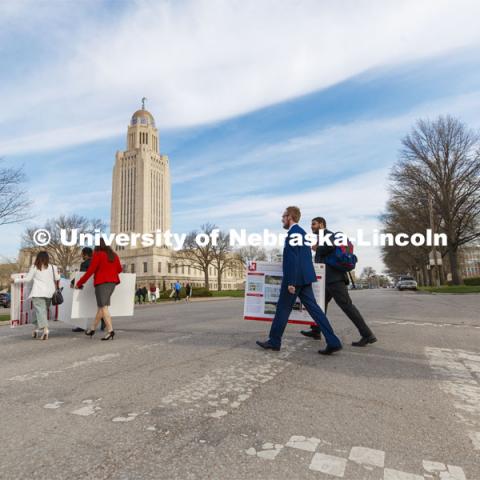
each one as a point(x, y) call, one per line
point(103, 270)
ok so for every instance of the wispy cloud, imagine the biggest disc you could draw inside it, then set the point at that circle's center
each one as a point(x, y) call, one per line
point(201, 61)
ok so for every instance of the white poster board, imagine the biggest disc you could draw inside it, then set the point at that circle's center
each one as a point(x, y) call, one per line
point(21, 307)
point(84, 304)
point(79, 307)
point(262, 289)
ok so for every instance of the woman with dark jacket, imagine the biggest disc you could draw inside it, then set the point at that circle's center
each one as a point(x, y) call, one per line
point(105, 267)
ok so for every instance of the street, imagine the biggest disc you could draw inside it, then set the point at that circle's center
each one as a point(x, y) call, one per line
point(183, 392)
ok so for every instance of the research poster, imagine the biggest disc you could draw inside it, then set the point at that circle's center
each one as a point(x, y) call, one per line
point(262, 289)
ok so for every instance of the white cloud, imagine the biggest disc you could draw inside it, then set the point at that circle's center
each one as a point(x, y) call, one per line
point(203, 61)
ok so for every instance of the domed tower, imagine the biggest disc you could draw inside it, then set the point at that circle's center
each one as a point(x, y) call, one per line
point(141, 180)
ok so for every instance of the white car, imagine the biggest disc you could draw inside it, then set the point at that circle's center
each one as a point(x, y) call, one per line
point(407, 283)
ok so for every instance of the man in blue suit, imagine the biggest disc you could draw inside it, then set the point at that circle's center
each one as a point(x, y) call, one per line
point(298, 276)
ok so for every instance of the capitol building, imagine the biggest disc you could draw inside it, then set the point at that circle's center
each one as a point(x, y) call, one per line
point(141, 203)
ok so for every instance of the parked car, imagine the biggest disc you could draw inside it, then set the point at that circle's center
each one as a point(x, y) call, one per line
point(406, 283)
point(5, 300)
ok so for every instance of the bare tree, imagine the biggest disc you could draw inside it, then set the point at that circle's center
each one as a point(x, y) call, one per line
point(199, 257)
point(66, 257)
point(442, 159)
point(14, 204)
point(223, 257)
point(251, 254)
point(369, 274)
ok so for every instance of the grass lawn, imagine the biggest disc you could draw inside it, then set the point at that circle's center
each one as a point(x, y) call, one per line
point(228, 293)
point(4, 318)
point(452, 289)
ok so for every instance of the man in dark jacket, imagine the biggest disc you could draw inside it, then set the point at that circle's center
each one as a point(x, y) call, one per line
point(336, 283)
point(87, 253)
point(298, 276)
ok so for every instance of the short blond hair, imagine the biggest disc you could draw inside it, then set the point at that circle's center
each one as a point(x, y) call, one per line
point(294, 212)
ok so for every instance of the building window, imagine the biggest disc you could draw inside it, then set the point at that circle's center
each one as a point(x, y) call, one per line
point(132, 268)
point(124, 267)
point(145, 267)
point(169, 268)
point(159, 267)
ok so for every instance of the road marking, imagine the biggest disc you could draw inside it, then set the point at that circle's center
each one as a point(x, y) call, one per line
point(269, 451)
point(328, 464)
point(52, 406)
point(422, 324)
point(367, 456)
point(303, 443)
point(81, 363)
point(370, 459)
point(391, 474)
point(90, 408)
point(225, 389)
point(130, 417)
point(457, 371)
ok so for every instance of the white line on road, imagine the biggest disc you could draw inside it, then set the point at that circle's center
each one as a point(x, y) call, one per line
point(81, 363)
point(457, 371)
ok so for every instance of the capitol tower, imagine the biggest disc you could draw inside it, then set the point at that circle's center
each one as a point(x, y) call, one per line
point(141, 180)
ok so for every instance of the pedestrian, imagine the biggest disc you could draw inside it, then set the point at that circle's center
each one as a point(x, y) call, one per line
point(188, 292)
point(298, 276)
point(336, 282)
point(153, 293)
point(178, 288)
point(139, 295)
point(87, 253)
point(105, 268)
point(144, 294)
point(45, 280)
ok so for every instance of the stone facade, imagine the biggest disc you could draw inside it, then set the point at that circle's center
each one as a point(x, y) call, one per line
point(141, 204)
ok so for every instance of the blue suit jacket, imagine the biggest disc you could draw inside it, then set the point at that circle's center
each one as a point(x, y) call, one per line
point(297, 261)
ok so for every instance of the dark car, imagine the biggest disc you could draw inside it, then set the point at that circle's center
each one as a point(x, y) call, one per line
point(5, 300)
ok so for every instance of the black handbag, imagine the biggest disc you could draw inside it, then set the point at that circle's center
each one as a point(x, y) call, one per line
point(57, 297)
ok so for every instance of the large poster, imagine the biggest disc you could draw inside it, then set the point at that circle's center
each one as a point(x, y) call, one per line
point(84, 304)
point(21, 307)
point(262, 288)
point(79, 307)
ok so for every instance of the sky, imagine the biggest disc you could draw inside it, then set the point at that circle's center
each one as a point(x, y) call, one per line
point(259, 104)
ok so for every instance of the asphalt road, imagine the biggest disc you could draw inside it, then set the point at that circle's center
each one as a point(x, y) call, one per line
point(184, 393)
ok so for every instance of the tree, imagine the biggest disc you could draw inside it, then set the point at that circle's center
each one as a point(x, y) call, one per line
point(14, 204)
point(441, 158)
point(407, 217)
point(251, 254)
point(66, 257)
point(369, 274)
point(199, 257)
point(223, 258)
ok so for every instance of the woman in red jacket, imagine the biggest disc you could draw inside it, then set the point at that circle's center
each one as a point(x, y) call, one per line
point(105, 267)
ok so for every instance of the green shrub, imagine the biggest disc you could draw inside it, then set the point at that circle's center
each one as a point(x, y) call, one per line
point(200, 292)
point(472, 281)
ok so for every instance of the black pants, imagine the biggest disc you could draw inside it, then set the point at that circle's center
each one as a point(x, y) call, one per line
point(339, 292)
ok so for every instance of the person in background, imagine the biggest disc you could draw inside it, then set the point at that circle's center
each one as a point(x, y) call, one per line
point(139, 295)
point(336, 283)
point(145, 294)
point(87, 253)
point(44, 277)
point(178, 287)
point(188, 290)
point(105, 268)
point(153, 293)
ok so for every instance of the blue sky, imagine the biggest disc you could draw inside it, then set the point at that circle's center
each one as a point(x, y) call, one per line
point(251, 122)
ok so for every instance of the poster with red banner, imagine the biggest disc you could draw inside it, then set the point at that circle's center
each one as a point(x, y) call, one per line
point(262, 288)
